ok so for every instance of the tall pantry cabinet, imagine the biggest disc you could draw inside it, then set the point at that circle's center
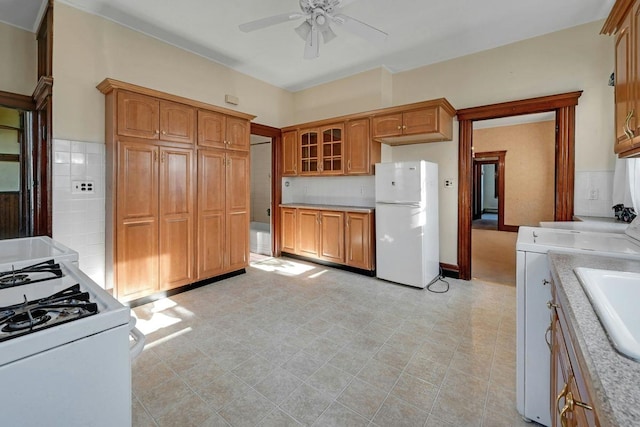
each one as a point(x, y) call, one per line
point(177, 190)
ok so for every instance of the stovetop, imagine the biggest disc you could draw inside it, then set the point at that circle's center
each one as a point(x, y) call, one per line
point(31, 316)
point(33, 273)
point(45, 313)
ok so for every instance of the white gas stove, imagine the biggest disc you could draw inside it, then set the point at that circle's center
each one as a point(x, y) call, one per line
point(65, 353)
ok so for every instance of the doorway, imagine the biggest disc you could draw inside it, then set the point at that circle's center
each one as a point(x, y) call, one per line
point(488, 190)
point(261, 200)
point(563, 106)
point(15, 174)
point(266, 193)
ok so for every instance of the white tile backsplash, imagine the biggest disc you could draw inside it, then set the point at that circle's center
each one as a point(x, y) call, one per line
point(79, 219)
point(331, 190)
point(590, 184)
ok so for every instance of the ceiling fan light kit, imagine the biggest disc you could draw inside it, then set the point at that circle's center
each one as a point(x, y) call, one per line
point(319, 14)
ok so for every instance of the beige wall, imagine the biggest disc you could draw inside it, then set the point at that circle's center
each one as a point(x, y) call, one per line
point(18, 66)
point(574, 59)
point(529, 169)
point(88, 49)
point(365, 91)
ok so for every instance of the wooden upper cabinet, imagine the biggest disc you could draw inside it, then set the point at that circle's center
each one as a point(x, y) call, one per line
point(211, 129)
point(138, 115)
point(420, 121)
point(387, 125)
point(624, 22)
point(414, 125)
point(147, 117)
point(177, 122)
point(237, 134)
point(290, 153)
point(331, 149)
point(309, 152)
point(217, 130)
point(360, 153)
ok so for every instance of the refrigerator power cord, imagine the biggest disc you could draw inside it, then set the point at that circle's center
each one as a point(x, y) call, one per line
point(440, 278)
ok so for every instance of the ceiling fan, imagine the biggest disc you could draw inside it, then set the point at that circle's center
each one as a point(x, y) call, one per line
point(318, 16)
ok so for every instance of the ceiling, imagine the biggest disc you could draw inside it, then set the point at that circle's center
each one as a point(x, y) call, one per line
point(421, 32)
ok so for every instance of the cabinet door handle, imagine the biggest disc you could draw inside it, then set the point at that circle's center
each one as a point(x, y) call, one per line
point(563, 392)
point(551, 305)
point(546, 337)
point(164, 132)
point(627, 129)
point(545, 282)
point(163, 156)
point(157, 131)
point(399, 127)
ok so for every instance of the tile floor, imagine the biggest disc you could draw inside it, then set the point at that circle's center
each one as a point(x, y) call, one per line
point(291, 343)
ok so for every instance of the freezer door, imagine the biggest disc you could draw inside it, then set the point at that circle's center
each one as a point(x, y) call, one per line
point(399, 245)
point(400, 182)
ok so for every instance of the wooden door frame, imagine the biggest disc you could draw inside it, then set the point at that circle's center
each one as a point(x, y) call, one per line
point(276, 178)
point(499, 159)
point(563, 105)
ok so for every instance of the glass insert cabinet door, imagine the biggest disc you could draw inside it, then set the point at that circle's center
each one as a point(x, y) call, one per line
point(332, 145)
point(309, 153)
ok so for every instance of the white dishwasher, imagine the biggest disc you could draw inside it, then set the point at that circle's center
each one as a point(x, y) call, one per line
point(533, 357)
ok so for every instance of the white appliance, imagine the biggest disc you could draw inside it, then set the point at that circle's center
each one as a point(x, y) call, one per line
point(40, 248)
point(533, 362)
point(65, 353)
point(407, 242)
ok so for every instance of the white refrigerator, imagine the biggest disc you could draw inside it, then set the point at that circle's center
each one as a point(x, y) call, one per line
point(407, 243)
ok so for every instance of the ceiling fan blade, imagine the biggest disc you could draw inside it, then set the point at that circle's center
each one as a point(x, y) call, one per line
point(360, 28)
point(269, 21)
point(344, 3)
point(312, 46)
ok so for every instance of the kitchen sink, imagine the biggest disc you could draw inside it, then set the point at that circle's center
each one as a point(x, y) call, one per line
point(614, 295)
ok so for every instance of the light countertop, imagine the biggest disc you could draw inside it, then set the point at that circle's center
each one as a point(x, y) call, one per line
point(363, 209)
point(614, 378)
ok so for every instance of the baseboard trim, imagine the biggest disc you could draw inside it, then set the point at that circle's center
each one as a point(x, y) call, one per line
point(450, 270)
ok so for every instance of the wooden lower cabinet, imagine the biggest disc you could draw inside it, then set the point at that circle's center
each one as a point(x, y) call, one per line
point(340, 237)
point(223, 212)
point(154, 219)
point(570, 401)
point(308, 233)
point(288, 230)
point(358, 240)
point(331, 236)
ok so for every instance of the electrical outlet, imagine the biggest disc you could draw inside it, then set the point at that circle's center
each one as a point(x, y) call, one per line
point(448, 183)
point(593, 194)
point(82, 187)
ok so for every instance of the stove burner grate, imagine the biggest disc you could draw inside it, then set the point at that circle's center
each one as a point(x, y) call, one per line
point(42, 271)
point(26, 320)
point(65, 306)
point(14, 280)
